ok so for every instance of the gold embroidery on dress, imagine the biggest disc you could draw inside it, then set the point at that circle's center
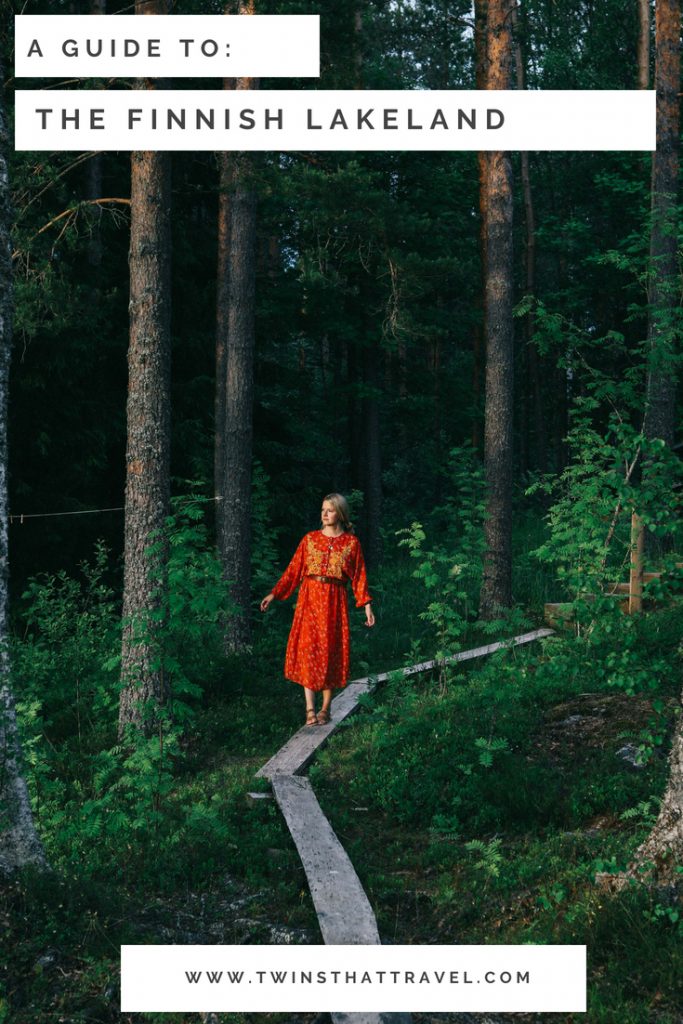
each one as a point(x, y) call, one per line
point(318, 563)
point(338, 557)
point(314, 559)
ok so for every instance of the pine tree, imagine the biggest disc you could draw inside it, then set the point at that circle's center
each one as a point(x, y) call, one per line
point(148, 418)
point(496, 590)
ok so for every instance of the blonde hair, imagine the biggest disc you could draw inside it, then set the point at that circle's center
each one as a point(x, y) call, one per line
point(341, 507)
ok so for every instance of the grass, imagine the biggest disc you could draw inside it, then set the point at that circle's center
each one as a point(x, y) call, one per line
point(453, 850)
point(477, 807)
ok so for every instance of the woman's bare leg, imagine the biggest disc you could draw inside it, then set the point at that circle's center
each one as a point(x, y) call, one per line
point(310, 706)
point(324, 713)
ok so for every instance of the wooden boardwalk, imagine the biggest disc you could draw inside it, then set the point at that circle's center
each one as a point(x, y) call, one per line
point(297, 753)
point(344, 912)
point(343, 909)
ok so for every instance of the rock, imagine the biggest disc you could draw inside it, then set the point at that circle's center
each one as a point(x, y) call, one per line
point(630, 754)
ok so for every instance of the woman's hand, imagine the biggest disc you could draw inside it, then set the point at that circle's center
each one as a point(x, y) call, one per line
point(369, 617)
point(266, 601)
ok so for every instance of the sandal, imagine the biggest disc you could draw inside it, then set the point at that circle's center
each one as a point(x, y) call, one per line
point(323, 716)
point(311, 717)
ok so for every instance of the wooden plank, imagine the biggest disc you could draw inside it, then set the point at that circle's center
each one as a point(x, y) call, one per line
point(625, 587)
point(258, 798)
point(301, 748)
point(404, 1018)
point(370, 1018)
point(559, 615)
point(500, 645)
point(474, 652)
point(343, 909)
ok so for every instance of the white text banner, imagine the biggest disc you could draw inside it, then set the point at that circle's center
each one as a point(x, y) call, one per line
point(167, 46)
point(347, 979)
point(333, 120)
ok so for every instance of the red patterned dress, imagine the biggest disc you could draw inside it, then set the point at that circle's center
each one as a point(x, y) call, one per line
point(318, 646)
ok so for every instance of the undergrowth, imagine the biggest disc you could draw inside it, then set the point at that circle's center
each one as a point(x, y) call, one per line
point(482, 810)
point(477, 803)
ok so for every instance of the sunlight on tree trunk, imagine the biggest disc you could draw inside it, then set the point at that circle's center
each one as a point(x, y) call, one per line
point(664, 283)
point(496, 590)
point(481, 72)
point(643, 44)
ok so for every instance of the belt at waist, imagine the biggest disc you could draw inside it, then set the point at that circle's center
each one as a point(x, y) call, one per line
point(328, 579)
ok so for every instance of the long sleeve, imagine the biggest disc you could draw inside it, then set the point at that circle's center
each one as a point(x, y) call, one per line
point(359, 579)
point(292, 575)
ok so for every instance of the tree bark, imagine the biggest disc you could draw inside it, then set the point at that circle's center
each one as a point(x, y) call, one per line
point(496, 589)
point(148, 425)
point(239, 398)
point(643, 44)
point(664, 285)
point(225, 175)
point(663, 848)
point(481, 76)
point(235, 335)
point(19, 842)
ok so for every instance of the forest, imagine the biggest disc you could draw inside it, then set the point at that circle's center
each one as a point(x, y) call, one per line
point(482, 352)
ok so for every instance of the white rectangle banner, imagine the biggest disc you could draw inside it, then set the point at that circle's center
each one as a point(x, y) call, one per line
point(334, 120)
point(347, 979)
point(167, 46)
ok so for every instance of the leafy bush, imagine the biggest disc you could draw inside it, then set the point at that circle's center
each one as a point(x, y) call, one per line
point(589, 542)
point(71, 628)
point(450, 569)
point(102, 804)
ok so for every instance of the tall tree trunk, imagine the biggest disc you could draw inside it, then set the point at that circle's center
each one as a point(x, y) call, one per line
point(225, 182)
point(481, 73)
point(643, 44)
point(19, 842)
point(235, 333)
point(663, 333)
point(496, 589)
point(663, 848)
point(239, 399)
point(149, 422)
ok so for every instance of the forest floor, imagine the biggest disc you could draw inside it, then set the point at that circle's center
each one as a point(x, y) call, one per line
point(476, 807)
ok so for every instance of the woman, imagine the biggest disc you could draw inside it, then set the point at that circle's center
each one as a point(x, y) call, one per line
point(318, 646)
